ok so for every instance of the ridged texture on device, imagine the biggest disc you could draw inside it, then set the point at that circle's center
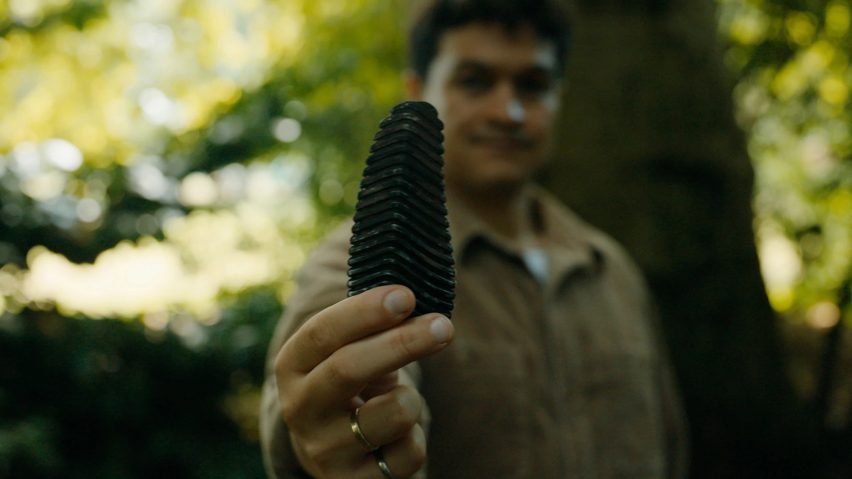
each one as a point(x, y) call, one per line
point(401, 234)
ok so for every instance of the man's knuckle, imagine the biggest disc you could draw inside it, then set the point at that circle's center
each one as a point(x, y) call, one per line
point(288, 411)
point(318, 336)
point(418, 456)
point(405, 344)
point(419, 445)
point(290, 408)
point(415, 457)
point(400, 415)
point(280, 365)
point(341, 372)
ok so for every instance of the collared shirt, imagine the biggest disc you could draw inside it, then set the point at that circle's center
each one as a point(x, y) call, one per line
point(557, 378)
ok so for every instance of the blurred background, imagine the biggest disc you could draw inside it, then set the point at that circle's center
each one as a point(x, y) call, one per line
point(166, 165)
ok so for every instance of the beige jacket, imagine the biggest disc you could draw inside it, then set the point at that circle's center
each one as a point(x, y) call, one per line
point(565, 378)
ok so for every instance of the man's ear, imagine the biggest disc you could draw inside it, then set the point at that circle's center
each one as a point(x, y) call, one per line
point(413, 85)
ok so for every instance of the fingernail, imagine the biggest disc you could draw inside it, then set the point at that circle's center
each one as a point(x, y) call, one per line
point(396, 302)
point(441, 329)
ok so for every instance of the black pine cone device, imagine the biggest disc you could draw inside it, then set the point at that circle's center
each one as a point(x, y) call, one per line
point(401, 234)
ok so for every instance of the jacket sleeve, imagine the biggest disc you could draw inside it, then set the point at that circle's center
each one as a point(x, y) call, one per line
point(320, 283)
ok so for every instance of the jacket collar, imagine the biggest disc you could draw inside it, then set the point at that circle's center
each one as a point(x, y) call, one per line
point(569, 243)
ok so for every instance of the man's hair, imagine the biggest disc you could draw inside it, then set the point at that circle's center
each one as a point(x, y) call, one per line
point(548, 20)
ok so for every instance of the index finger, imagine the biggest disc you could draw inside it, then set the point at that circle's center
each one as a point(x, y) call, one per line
point(349, 320)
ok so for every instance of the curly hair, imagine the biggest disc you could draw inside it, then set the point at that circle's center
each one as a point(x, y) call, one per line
point(548, 19)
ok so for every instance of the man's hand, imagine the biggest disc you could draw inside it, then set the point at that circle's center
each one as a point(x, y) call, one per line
point(347, 356)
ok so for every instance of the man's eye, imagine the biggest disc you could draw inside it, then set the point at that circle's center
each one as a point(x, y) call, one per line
point(475, 83)
point(534, 87)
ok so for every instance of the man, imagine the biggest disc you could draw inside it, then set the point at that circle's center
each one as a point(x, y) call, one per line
point(555, 368)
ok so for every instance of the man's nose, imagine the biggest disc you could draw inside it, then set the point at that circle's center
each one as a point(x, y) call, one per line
point(505, 107)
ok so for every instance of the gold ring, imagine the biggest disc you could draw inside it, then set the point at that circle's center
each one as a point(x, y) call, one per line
point(383, 466)
point(356, 430)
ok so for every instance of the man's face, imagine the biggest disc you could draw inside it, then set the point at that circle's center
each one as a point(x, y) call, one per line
point(497, 91)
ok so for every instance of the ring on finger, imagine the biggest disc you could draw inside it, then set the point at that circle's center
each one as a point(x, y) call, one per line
point(383, 465)
point(356, 430)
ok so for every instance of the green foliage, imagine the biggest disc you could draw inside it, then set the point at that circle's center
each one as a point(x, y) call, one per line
point(155, 135)
point(85, 398)
point(166, 166)
point(794, 99)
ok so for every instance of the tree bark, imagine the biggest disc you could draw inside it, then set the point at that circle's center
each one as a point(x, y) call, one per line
point(648, 150)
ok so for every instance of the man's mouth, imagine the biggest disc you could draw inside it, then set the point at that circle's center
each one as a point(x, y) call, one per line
point(513, 142)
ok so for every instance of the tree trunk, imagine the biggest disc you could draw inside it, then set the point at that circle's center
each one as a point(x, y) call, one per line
point(649, 152)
